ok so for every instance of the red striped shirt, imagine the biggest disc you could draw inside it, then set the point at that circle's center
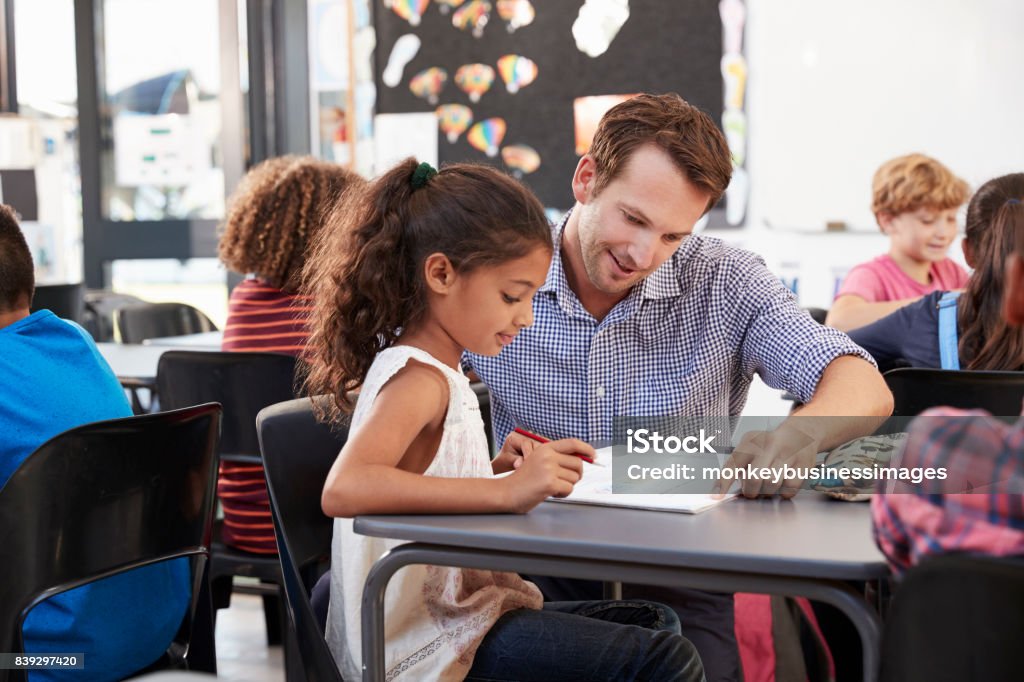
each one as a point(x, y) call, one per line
point(261, 318)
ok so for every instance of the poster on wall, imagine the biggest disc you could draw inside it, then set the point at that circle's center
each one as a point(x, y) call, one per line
point(587, 113)
point(512, 74)
point(397, 136)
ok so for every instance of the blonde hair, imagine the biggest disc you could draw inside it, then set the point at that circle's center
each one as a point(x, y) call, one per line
point(910, 182)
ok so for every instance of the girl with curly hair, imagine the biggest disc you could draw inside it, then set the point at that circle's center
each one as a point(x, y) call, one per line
point(431, 264)
point(274, 214)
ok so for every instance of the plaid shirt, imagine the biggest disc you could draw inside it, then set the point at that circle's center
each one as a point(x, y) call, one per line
point(686, 341)
point(978, 451)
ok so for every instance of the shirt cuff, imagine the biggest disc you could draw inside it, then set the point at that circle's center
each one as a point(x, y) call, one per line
point(810, 364)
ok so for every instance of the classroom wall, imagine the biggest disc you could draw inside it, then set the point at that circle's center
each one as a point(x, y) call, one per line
point(837, 87)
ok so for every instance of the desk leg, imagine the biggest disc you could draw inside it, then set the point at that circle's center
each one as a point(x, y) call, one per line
point(838, 594)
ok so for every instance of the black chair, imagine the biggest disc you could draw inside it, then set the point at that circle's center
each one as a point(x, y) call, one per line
point(100, 306)
point(956, 617)
point(916, 389)
point(298, 451)
point(483, 396)
point(817, 314)
point(137, 323)
point(102, 499)
point(244, 383)
point(63, 300)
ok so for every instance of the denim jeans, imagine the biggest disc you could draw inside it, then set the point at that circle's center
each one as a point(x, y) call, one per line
point(587, 640)
point(706, 618)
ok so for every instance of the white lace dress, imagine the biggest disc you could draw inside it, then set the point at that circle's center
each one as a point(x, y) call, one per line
point(434, 617)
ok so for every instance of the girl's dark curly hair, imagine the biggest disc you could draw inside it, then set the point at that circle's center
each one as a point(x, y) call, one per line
point(365, 272)
point(275, 213)
point(987, 341)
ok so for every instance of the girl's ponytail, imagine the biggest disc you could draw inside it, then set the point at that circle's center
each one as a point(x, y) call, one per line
point(359, 278)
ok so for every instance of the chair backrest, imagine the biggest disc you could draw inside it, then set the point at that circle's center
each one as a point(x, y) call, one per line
point(137, 323)
point(100, 306)
point(243, 383)
point(915, 390)
point(956, 617)
point(66, 301)
point(102, 499)
point(483, 396)
point(817, 314)
point(298, 451)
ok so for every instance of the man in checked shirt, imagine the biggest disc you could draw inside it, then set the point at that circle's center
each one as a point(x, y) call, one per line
point(637, 317)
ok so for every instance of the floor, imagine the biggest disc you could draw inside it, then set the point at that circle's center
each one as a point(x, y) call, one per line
point(242, 651)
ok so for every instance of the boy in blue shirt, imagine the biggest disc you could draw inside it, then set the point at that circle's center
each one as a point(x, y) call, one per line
point(53, 378)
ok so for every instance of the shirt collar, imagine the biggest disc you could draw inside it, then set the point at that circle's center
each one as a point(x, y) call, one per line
point(662, 283)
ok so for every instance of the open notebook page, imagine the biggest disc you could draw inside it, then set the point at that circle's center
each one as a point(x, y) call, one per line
point(596, 488)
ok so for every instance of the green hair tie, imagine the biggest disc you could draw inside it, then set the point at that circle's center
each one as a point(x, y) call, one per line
point(421, 176)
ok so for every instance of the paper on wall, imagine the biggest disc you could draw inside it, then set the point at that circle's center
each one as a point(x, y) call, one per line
point(397, 136)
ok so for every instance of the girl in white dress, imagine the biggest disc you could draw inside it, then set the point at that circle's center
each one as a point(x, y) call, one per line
point(427, 265)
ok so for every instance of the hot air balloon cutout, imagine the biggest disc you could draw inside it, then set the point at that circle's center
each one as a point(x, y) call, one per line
point(410, 10)
point(429, 83)
point(446, 5)
point(474, 80)
point(453, 120)
point(521, 158)
point(487, 135)
point(517, 13)
point(472, 16)
point(516, 71)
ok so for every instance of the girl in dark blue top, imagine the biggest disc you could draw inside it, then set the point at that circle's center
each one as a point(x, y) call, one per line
point(910, 336)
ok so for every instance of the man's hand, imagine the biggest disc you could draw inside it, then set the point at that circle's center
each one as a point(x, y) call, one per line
point(787, 444)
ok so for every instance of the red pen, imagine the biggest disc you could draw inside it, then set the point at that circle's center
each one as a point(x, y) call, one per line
point(542, 439)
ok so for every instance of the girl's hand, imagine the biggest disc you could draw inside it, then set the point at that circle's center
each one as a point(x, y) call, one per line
point(515, 448)
point(550, 470)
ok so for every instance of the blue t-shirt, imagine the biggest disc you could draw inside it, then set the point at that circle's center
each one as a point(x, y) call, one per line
point(53, 378)
point(906, 337)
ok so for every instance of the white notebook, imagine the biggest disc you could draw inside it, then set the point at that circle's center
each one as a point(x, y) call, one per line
point(596, 488)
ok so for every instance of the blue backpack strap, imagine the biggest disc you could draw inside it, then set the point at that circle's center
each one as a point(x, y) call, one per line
point(948, 337)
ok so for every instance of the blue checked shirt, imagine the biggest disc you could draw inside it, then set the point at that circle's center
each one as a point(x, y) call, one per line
point(686, 341)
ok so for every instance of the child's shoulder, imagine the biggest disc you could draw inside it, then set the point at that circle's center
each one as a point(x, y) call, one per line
point(401, 384)
point(950, 274)
point(402, 369)
point(418, 375)
point(868, 280)
point(879, 264)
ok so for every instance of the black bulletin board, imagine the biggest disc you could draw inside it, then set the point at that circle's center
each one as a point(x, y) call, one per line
point(664, 46)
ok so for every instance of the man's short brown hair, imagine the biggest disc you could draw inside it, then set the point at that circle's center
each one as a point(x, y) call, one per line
point(17, 274)
point(688, 135)
point(915, 181)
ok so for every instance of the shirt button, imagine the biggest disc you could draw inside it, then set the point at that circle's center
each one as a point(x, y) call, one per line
point(600, 391)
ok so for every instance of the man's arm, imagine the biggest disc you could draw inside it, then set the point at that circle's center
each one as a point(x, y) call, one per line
point(851, 400)
point(852, 312)
point(849, 386)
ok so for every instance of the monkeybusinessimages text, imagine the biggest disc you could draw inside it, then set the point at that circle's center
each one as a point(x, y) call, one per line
point(647, 441)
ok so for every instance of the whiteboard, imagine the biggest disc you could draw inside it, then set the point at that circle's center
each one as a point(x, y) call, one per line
point(838, 87)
